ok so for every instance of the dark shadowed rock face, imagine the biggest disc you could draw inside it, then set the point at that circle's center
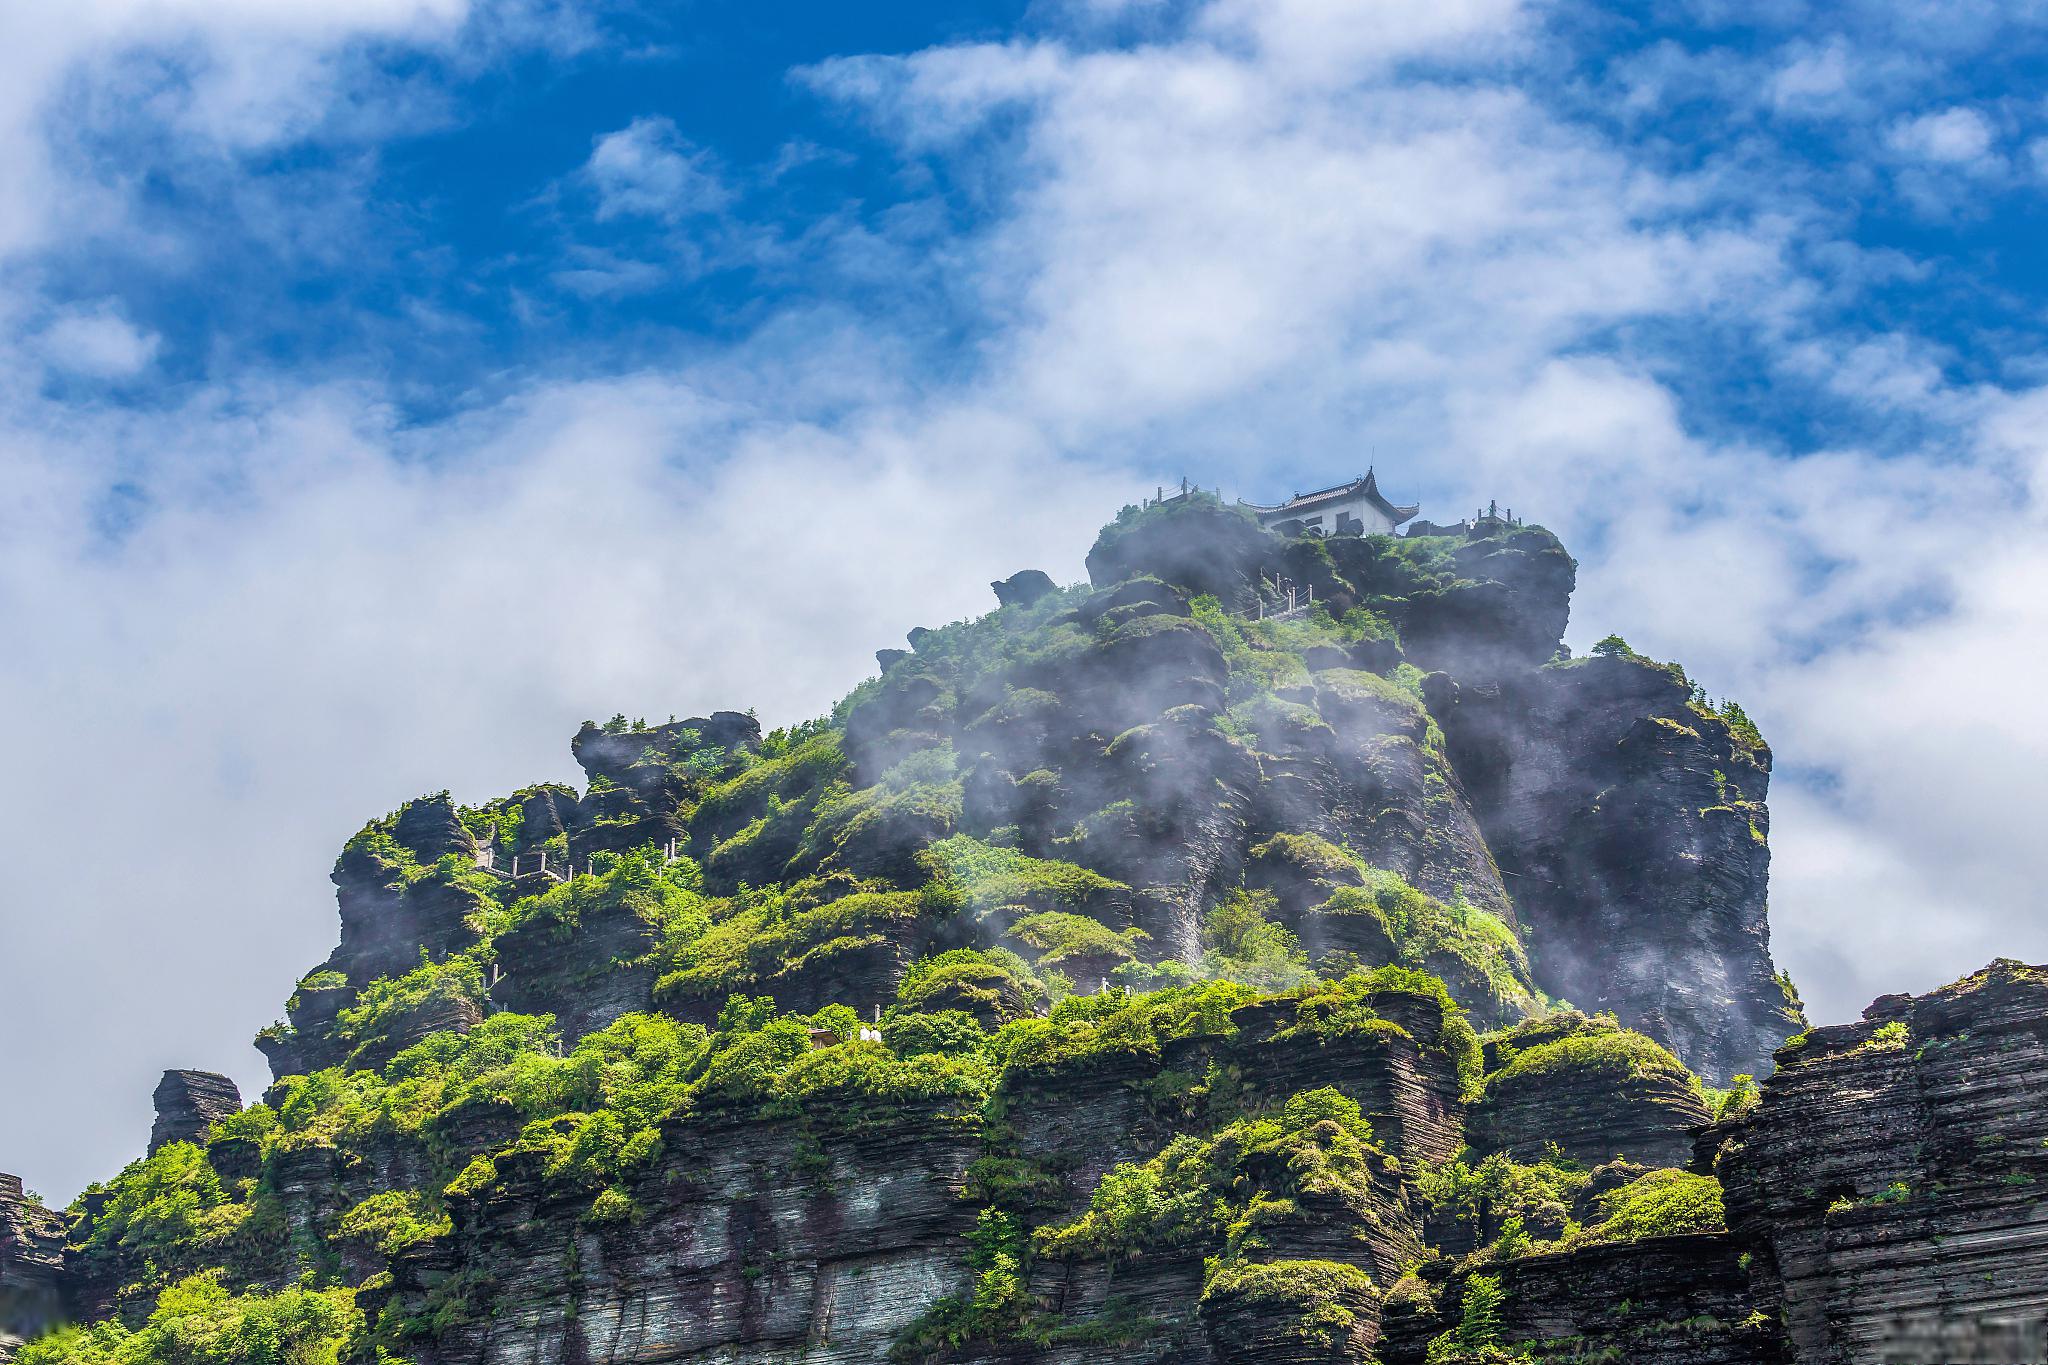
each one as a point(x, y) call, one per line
point(1890, 1184)
point(1594, 1092)
point(1022, 589)
point(763, 1239)
point(1667, 1301)
point(189, 1103)
point(1631, 828)
point(31, 1267)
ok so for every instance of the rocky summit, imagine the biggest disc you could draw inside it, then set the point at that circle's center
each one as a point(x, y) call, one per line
point(1274, 949)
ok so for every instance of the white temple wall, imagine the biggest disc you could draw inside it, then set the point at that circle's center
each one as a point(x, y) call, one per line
point(1324, 518)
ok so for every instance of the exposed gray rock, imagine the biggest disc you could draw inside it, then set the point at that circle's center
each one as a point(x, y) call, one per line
point(189, 1103)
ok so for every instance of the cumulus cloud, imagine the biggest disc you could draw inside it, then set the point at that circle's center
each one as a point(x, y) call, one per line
point(1947, 137)
point(650, 170)
point(1812, 80)
point(98, 342)
point(240, 74)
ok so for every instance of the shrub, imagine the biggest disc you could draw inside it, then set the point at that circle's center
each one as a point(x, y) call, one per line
point(1741, 1096)
point(393, 1220)
point(1660, 1204)
point(1890, 1037)
point(197, 1321)
point(994, 986)
point(990, 876)
point(1479, 1314)
point(954, 1033)
point(869, 1072)
point(163, 1207)
point(385, 1003)
point(1315, 1144)
point(1244, 944)
point(1425, 931)
point(1501, 1188)
point(1085, 1029)
point(663, 896)
point(999, 1308)
point(1611, 1054)
point(1076, 941)
point(762, 935)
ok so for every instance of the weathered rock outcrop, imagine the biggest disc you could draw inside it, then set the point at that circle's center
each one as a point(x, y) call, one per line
point(1890, 1184)
point(31, 1267)
point(1665, 1301)
point(1592, 1091)
point(189, 1103)
point(1631, 825)
point(755, 1242)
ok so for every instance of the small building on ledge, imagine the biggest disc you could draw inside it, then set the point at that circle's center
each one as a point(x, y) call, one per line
point(1350, 509)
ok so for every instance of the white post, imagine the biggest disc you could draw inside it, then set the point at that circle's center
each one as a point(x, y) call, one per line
point(515, 867)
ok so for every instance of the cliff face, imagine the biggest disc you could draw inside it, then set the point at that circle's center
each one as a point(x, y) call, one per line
point(1891, 1182)
point(1632, 827)
point(31, 1267)
point(1147, 971)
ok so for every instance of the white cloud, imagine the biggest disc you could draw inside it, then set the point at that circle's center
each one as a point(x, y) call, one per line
point(1815, 80)
point(241, 73)
point(98, 342)
point(1949, 137)
point(1335, 40)
point(648, 169)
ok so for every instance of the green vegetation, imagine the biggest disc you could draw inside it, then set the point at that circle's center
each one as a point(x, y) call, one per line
point(666, 897)
point(830, 864)
point(1314, 1302)
point(1477, 1337)
point(1470, 947)
point(1085, 1029)
point(1597, 1049)
point(1660, 1204)
point(751, 939)
point(994, 986)
point(999, 1309)
point(392, 1220)
point(1264, 656)
point(387, 1007)
point(991, 877)
point(1741, 1096)
point(165, 1209)
point(1498, 1190)
point(1076, 944)
point(1891, 1036)
point(1227, 1189)
point(1242, 943)
point(198, 1321)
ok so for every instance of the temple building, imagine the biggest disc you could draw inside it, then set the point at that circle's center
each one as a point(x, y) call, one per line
point(1349, 509)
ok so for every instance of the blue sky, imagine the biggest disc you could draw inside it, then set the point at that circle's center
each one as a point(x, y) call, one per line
point(386, 386)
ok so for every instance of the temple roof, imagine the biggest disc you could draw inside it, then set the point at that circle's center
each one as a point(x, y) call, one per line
point(1367, 487)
